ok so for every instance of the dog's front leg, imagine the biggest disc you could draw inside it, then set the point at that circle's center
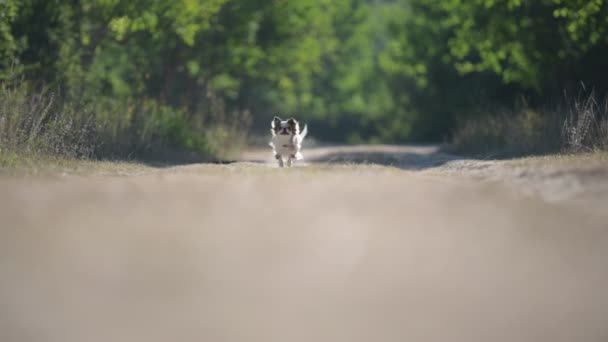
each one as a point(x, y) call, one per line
point(289, 161)
point(279, 159)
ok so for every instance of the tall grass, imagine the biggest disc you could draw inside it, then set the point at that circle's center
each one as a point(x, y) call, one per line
point(586, 125)
point(41, 123)
point(46, 123)
point(577, 125)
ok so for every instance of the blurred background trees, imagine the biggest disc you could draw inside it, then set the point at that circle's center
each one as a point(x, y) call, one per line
point(190, 73)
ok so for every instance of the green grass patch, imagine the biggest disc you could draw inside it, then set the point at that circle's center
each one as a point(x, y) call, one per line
point(16, 164)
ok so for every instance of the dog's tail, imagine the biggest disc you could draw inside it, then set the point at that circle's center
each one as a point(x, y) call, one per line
point(304, 132)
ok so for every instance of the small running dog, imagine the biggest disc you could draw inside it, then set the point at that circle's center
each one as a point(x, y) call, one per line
point(287, 140)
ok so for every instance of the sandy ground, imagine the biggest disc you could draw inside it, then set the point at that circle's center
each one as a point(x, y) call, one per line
point(429, 248)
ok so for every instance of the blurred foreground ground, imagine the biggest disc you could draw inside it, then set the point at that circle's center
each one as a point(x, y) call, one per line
point(424, 247)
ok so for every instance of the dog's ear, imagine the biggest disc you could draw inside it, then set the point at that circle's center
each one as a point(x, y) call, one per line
point(294, 125)
point(275, 121)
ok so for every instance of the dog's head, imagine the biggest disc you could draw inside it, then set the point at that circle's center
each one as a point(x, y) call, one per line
point(284, 127)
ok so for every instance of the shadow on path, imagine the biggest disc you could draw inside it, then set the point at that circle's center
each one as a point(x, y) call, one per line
point(408, 157)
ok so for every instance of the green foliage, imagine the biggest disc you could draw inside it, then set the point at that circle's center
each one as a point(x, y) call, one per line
point(356, 70)
point(10, 46)
point(451, 57)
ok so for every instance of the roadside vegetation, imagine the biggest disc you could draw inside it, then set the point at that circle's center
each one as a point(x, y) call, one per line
point(49, 124)
point(578, 125)
point(22, 164)
point(193, 79)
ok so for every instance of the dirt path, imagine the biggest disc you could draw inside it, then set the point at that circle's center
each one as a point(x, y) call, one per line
point(434, 248)
point(577, 180)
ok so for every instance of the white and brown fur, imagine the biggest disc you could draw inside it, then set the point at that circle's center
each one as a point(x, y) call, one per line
point(286, 140)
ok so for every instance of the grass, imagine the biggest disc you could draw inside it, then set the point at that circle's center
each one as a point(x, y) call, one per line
point(40, 123)
point(564, 160)
point(580, 125)
point(14, 164)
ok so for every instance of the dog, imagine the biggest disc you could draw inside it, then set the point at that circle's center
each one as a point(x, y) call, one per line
point(287, 140)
